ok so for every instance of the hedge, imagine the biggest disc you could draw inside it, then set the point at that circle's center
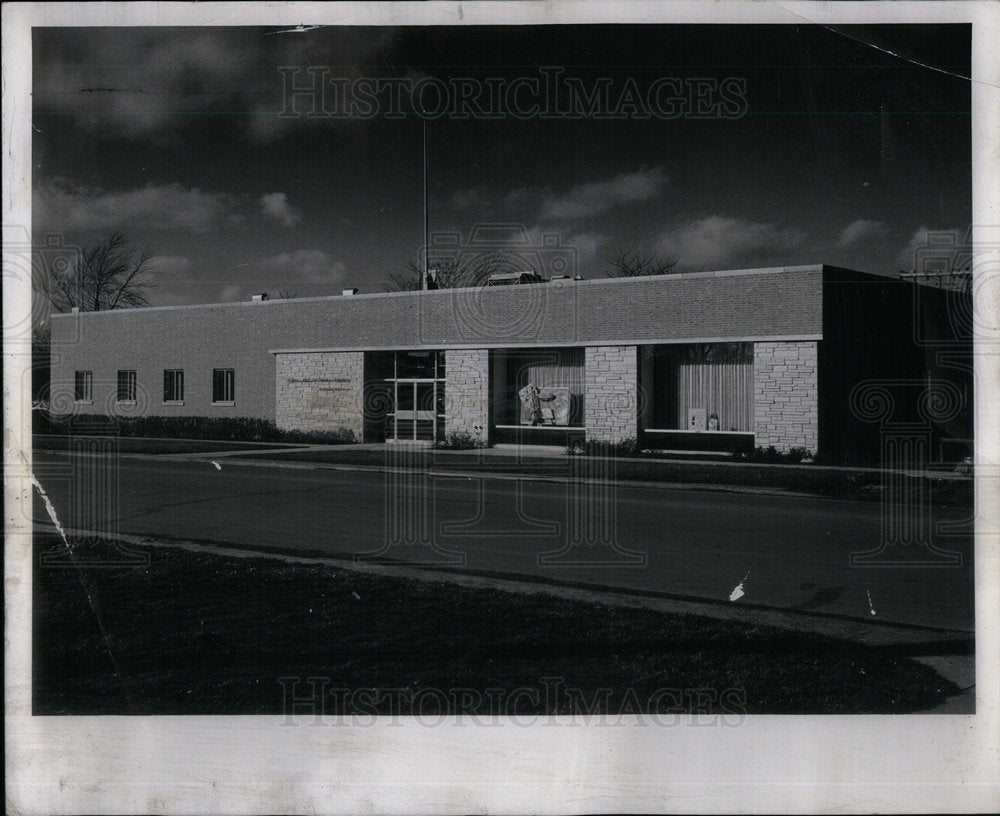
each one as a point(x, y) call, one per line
point(240, 429)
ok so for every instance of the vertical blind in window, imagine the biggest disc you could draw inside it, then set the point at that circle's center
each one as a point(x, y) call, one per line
point(126, 386)
point(717, 377)
point(83, 389)
point(173, 385)
point(223, 385)
point(547, 368)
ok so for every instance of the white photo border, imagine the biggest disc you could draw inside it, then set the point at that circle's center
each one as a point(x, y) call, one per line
point(249, 765)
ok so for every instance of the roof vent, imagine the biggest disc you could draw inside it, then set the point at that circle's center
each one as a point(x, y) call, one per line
point(259, 297)
point(349, 292)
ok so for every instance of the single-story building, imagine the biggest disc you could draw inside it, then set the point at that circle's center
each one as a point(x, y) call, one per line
point(709, 360)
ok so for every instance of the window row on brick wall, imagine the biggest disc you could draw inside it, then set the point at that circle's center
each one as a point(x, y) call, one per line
point(127, 384)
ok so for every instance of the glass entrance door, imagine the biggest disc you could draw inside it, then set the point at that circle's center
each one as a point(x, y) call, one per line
point(416, 415)
point(416, 386)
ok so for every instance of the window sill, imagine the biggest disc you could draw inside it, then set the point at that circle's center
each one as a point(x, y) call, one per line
point(173, 402)
point(223, 404)
point(83, 402)
point(125, 402)
point(687, 431)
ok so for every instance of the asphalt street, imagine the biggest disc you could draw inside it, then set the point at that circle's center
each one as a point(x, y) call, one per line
point(789, 552)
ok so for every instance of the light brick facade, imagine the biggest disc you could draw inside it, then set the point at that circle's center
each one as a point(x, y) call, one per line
point(786, 395)
point(816, 331)
point(320, 391)
point(611, 404)
point(467, 392)
point(243, 336)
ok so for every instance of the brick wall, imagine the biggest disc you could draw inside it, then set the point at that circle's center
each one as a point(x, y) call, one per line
point(785, 395)
point(761, 304)
point(195, 340)
point(320, 391)
point(612, 392)
point(466, 391)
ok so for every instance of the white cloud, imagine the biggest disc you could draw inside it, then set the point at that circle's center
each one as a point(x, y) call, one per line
point(582, 201)
point(587, 245)
point(862, 229)
point(232, 292)
point(170, 265)
point(718, 240)
point(596, 197)
point(155, 79)
point(276, 206)
point(305, 265)
point(523, 199)
point(62, 205)
point(922, 239)
point(474, 198)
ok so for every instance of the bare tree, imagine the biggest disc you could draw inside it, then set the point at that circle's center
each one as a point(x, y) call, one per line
point(287, 294)
point(452, 271)
point(632, 265)
point(110, 275)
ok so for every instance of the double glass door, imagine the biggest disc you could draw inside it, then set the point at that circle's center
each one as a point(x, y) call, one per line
point(418, 410)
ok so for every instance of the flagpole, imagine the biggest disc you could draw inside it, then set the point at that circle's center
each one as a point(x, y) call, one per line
point(423, 282)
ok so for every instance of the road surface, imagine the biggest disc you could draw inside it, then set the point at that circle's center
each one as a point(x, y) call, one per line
point(789, 552)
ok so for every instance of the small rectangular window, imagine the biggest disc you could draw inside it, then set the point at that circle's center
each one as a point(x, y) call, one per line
point(223, 385)
point(126, 386)
point(83, 387)
point(173, 385)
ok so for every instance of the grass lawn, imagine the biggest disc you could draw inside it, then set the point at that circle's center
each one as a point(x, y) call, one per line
point(200, 633)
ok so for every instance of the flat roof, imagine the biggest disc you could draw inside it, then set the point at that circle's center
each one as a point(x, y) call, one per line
point(257, 304)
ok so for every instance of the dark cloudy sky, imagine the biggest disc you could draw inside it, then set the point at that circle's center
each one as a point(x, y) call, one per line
point(722, 146)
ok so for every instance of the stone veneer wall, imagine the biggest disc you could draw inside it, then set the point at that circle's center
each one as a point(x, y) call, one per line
point(610, 401)
point(786, 395)
point(320, 391)
point(467, 392)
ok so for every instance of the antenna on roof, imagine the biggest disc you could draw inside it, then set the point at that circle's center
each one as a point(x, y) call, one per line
point(423, 284)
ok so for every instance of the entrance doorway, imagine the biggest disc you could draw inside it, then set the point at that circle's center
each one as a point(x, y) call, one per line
point(419, 411)
point(414, 387)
